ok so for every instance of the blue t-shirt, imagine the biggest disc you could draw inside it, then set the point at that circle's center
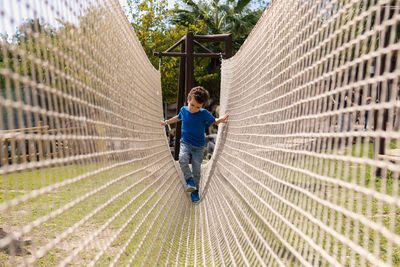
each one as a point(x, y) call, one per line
point(193, 125)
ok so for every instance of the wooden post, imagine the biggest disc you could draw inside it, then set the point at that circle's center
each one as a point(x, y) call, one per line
point(44, 143)
point(189, 63)
point(228, 46)
point(181, 101)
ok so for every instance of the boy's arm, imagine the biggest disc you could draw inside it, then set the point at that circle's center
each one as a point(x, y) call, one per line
point(170, 121)
point(223, 119)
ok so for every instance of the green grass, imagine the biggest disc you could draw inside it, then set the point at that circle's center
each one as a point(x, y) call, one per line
point(362, 175)
point(43, 205)
point(359, 174)
point(344, 171)
point(17, 184)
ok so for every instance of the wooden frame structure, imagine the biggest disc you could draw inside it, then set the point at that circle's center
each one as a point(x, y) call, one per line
point(186, 66)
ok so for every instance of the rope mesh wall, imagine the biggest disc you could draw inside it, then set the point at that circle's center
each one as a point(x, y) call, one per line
point(305, 173)
point(309, 161)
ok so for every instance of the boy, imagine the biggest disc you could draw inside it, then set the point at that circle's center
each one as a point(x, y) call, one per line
point(194, 119)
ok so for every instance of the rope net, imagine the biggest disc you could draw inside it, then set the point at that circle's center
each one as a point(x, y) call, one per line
point(305, 173)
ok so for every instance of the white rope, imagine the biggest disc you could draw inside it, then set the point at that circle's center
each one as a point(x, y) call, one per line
point(297, 177)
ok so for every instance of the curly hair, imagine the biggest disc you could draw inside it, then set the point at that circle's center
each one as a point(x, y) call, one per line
point(200, 94)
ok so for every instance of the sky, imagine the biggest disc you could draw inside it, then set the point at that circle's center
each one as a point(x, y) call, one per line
point(170, 3)
point(12, 15)
point(124, 4)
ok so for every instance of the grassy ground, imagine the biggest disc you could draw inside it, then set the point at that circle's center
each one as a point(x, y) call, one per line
point(374, 209)
point(359, 174)
point(14, 185)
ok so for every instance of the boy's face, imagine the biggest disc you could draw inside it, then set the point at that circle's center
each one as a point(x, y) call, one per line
point(193, 105)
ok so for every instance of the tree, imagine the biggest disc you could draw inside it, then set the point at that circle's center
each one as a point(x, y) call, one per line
point(150, 20)
point(230, 16)
point(158, 28)
point(12, 59)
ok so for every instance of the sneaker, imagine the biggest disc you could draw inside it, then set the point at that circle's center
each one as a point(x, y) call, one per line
point(195, 196)
point(190, 187)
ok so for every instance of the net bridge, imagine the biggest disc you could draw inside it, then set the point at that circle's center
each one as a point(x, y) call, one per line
point(305, 172)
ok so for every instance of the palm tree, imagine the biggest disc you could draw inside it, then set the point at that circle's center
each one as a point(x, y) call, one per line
point(229, 16)
point(216, 17)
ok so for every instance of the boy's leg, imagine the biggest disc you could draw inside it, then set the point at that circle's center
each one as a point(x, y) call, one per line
point(197, 158)
point(184, 158)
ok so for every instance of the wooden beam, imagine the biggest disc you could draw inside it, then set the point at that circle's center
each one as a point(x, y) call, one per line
point(170, 54)
point(228, 47)
point(212, 38)
point(181, 101)
point(175, 45)
point(189, 63)
point(207, 55)
point(180, 54)
point(202, 46)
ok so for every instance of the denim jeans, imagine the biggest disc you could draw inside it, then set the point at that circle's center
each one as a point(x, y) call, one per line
point(365, 120)
point(196, 153)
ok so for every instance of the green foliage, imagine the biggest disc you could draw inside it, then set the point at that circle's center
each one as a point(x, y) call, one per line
point(158, 28)
point(231, 16)
point(150, 20)
point(26, 39)
point(32, 53)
